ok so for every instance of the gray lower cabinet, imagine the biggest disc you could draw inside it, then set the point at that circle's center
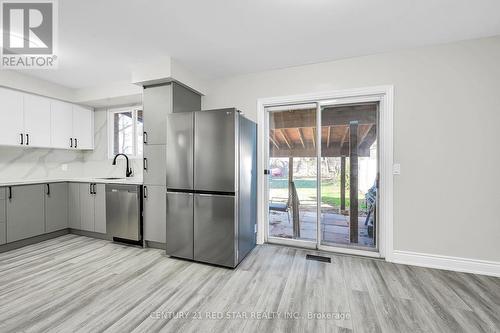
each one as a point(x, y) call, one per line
point(154, 201)
point(25, 212)
point(93, 207)
point(86, 207)
point(56, 206)
point(155, 160)
point(100, 208)
point(74, 218)
point(3, 226)
point(31, 210)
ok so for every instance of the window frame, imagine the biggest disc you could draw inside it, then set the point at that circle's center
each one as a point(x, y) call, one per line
point(110, 129)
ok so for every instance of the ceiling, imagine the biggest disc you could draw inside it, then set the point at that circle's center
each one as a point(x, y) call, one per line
point(100, 41)
point(292, 133)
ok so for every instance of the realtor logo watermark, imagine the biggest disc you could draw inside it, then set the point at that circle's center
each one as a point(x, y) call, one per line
point(29, 32)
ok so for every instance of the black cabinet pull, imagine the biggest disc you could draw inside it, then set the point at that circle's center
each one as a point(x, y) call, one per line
point(76, 143)
point(90, 188)
point(10, 192)
point(145, 192)
point(71, 142)
point(48, 189)
point(145, 164)
point(22, 139)
point(145, 137)
point(94, 188)
point(27, 139)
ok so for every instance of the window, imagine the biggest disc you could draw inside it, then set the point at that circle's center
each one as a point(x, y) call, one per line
point(125, 129)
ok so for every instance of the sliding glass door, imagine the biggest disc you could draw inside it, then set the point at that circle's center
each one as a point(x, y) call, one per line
point(292, 168)
point(323, 185)
point(349, 173)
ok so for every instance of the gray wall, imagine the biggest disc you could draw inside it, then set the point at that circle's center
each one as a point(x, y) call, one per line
point(446, 118)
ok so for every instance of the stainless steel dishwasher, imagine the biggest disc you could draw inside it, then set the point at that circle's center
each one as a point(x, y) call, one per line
point(124, 213)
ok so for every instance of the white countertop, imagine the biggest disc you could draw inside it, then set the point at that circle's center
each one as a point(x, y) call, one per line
point(12, 182)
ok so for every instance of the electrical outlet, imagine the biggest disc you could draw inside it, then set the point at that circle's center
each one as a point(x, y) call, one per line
point(396, 169)
point(64, 167)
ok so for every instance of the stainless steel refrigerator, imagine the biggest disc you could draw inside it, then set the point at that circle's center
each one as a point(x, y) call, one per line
point(211, 186)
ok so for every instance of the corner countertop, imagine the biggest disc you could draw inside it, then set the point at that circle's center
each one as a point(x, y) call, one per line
point(103, 180)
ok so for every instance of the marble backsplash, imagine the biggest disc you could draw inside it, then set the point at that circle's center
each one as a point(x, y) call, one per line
point(36, 163)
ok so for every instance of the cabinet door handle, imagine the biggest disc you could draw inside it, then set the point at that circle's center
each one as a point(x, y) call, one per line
point(94, 188)
point(10, 192)
point(145, 192)
point(76, 143)
point(27, 139)
point(22, 139)
point(145, 137)
point(145, 164)
point(90, 188)
point(48, 189)
point(71, 142)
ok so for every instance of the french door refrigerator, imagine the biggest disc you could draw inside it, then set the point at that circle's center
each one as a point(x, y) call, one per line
point(211, 186)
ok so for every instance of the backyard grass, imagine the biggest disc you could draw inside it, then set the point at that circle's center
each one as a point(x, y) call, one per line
point(306, 189)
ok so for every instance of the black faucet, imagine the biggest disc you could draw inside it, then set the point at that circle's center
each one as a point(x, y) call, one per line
point(128, 170)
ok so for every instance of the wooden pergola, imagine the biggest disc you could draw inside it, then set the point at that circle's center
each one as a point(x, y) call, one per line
point(346, 131)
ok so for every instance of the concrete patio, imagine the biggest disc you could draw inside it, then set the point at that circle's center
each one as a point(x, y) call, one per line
point(335, 227)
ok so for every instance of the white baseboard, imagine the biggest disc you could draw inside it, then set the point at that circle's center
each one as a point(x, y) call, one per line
point(445, 262)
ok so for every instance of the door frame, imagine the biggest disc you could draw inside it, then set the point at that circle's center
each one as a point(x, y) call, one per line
point(385, 96)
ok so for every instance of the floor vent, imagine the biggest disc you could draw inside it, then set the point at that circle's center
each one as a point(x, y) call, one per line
point(318, 258)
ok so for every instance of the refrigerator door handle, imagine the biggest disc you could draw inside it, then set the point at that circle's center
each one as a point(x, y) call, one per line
point(210, 195)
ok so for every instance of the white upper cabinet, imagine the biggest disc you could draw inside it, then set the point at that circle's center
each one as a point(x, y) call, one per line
point(36, 121)
point(11, 117)
point(83, 127)
point(62, 124)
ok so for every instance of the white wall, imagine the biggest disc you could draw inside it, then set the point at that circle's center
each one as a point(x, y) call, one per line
point(446, 120)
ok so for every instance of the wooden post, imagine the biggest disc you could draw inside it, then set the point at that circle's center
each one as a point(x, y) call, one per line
point(295, 220)
point(342, 184)
point(353, 180)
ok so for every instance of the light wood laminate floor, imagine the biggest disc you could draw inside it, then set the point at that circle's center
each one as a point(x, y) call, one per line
point(79, 284)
